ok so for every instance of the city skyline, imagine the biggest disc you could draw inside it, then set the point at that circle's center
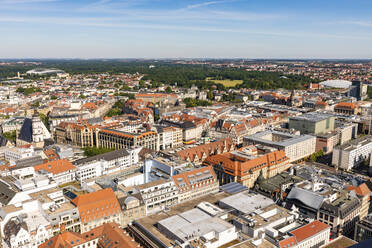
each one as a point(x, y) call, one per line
point(185, 29)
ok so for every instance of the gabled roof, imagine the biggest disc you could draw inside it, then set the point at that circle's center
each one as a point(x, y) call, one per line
point(97, 204)
point(111, 235)
point(348, 105)
point(307, 197)
point(361, 190)
point(288, 242)
point(309, 230)
point(187, 179)
point(207, 149)
point(56, 167)
point(65, 240)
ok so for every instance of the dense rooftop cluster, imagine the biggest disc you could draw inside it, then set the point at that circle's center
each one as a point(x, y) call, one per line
point(121, 160)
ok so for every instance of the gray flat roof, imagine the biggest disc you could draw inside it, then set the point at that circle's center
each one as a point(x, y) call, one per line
point(105, 156)
point(353, 144)
point(291, 138)
point(246, 202)
point(193, 222)
point(312, 117)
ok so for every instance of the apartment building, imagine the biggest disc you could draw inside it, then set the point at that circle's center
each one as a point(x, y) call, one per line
point(347, 108)
point(75, 133)
point(337, 208)
point(314, 234)
point(157, 97)
point(97, 208)
point(168, 137)
point(343, 133)
point(247, 164)
point(296, 147)
point(363, 229)
point(103, 236)
point(353, 153)
point(198, 154)
point(158, 195)
point(196, 183)
point(132, 208)
point(190, 131)
point(61, 170)
point(13, 154)
point(114, 139)
point(23, 230)
point(106, 163)
point(364, 194)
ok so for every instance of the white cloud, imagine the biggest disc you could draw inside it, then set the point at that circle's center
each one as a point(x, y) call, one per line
point(199, 5)
point(25, 1)
point(360, 23)
point(108, 22)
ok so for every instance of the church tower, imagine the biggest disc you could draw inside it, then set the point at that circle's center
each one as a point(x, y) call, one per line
point(37, 130)
point(291, 99)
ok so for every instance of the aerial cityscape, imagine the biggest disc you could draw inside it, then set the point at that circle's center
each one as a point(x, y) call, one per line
point(185, 124)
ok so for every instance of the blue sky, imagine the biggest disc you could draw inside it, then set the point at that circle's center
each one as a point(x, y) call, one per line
point(186, 28)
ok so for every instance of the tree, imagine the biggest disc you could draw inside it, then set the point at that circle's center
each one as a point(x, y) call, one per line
point(117, 109)
point(28, 91)
point(142, 84)
point(191, 102)
point(93, 151)
point(314, 157)
point(45, 120)
point(36, 104)
point(168, 90)
point(82, 96)
point(12, 136)
point(210, 95)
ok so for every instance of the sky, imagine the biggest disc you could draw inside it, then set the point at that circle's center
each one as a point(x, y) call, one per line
point(329, 29)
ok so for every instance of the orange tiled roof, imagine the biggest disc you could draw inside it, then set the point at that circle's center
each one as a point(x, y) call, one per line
point(56, 166)
point(64, 240)
point(108, 235)
point(25, 146)
point(97, 205)
point(361, 190)
point(288, 242)
point(348, 105)
point(240, 166)
point(155, 95)
point(51, 154)
point(206, 149)
point(89, 105)
point(111, 235)
point(309, 230)
point(185, 176)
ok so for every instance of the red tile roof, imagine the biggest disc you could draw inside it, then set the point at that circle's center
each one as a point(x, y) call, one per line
point(206, 149)
point(240, 166)
point(97, 205)
point(309, 230)
point(185, 177)
point(288, 242)
point(56, 166)
point(64, 240)
point(361, 190)
point(348, 105)
point(108, 235)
